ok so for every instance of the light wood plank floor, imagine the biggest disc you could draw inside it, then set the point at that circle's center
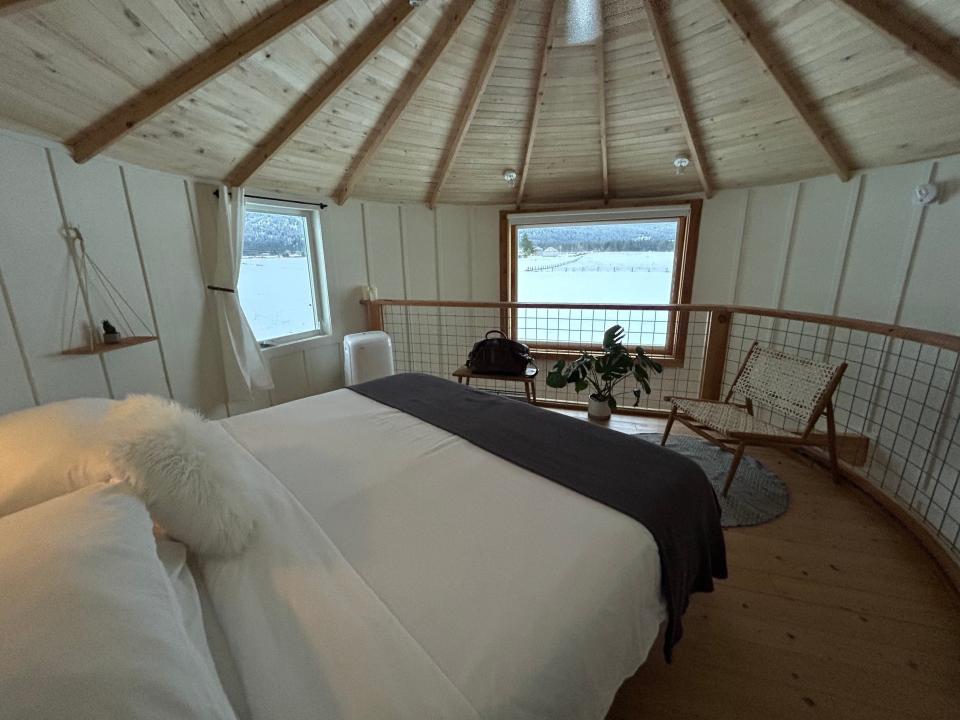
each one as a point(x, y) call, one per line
point(831, 611)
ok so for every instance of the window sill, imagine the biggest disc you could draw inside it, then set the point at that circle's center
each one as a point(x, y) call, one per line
point(299, 346)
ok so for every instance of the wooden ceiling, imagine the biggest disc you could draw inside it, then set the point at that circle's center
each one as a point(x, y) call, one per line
point(383, 100)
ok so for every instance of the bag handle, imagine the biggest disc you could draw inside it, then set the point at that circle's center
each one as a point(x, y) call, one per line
point(498, 332)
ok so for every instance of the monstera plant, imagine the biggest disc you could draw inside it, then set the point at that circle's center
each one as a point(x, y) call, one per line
point(602, 373)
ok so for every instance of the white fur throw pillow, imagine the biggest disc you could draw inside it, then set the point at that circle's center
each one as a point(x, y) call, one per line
point(186, 470)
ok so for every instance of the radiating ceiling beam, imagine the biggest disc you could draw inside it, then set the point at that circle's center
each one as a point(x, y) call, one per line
point(478, 83)
point(191, 75)
point(538, 98)
point(9, 7)
point(744, 22)
point(602, 102)
point(914, 41)
point(657, 21)
point(374, 36)
point(439, 41)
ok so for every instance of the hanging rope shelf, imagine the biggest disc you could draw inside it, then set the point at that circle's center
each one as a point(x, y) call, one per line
point(96, 341)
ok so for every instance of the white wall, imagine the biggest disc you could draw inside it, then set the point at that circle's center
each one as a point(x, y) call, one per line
point(859, 248)
point(405, 251)
point(139, 227)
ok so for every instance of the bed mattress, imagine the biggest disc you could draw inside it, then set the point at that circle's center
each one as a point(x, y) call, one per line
point(530, 599)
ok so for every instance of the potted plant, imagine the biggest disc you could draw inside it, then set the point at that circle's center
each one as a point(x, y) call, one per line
point(111, 336)
point(604, 372)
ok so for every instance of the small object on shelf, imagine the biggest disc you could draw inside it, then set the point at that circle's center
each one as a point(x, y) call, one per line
point(111, 335)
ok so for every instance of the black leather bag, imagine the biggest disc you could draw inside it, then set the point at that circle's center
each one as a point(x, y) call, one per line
point(499, 355)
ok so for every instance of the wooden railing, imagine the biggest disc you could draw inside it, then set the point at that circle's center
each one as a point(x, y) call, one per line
point(897, 407)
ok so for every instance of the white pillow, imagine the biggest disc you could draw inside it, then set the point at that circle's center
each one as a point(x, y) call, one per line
point(51, 450)
point(186, 470)
point(89, 622)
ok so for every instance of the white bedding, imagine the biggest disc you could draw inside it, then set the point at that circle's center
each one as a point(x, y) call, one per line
point(417, 576)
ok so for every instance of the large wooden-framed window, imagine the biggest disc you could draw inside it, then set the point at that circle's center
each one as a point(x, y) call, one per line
point(621, 257)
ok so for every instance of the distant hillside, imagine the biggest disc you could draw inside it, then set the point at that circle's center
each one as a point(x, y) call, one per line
point(270, 234)
point(617, 237)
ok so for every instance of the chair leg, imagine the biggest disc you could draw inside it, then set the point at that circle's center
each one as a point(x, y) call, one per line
point(734, 464)
point(832, 440)
point(666, 430)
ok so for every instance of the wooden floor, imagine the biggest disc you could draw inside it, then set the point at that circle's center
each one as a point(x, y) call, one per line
point(831, 611)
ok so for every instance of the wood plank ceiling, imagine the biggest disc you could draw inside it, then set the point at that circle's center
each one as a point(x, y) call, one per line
point(383, 100)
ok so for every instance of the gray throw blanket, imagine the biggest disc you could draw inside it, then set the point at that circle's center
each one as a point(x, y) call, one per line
point(665, 492)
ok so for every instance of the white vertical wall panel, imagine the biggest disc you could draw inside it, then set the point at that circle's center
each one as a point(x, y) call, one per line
point(419, 252)
point(453, 252)
point(721, 227)
point(289, 377)
point(346, 260)
point(94, 201)
point(15, 383)
point(159, 204)
point(485, 224)
point(817, 245)
point(871, 287)
point(932, 293)
point(764, 242)
point(384, 249)
point(324, 368)
point(39, 276)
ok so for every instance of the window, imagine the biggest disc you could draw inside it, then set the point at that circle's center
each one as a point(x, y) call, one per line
point(623, 257)
point(282, 281)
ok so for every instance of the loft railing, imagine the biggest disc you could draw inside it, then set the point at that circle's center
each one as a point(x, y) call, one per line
point(897, 409)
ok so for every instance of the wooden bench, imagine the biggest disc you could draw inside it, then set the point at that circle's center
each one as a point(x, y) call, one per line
point(786, 385)
point(528, 379)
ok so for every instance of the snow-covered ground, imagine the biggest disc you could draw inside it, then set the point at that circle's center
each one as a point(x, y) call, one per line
point(606, 278)
point(276, 295)
point(278, 300)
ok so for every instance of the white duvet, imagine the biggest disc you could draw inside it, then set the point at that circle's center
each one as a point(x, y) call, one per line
point(401, 572)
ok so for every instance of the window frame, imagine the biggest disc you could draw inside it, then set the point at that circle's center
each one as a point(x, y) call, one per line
point(319, 286)
point(685, 212)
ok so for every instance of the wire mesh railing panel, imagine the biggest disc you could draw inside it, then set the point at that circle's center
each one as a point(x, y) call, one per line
point(900, 394)
point(436, 339)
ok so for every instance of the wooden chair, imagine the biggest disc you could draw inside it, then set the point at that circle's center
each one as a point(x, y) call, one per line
point(790, 386)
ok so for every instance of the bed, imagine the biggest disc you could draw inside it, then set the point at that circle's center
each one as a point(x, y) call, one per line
point(401, 571)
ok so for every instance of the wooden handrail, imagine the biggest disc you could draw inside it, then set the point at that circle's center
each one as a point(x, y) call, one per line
point(927, 337)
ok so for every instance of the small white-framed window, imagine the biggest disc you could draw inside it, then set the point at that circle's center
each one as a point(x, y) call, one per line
point(283, 287)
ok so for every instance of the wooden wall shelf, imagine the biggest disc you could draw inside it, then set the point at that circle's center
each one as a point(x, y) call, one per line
point(100, 347)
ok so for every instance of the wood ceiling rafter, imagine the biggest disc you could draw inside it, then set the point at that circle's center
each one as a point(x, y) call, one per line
point(537, 99)
point(187, 78)
point(370, 41)
point(675, 79)
point(9, 7)
point(914, 41)
point(439, 41)
point(489, 56)
point(745, 23)
point(602, 107)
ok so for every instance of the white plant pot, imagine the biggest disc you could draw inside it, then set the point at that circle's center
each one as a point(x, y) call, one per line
point(598, 409)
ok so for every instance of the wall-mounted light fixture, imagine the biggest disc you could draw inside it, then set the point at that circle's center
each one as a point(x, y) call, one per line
point(925, 194)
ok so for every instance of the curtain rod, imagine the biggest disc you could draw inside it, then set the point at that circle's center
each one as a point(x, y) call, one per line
point(321, 205)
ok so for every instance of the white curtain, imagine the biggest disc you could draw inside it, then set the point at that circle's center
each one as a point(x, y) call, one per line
point(244, 364)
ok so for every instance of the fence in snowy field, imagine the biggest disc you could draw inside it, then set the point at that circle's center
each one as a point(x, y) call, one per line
point(897, 408)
